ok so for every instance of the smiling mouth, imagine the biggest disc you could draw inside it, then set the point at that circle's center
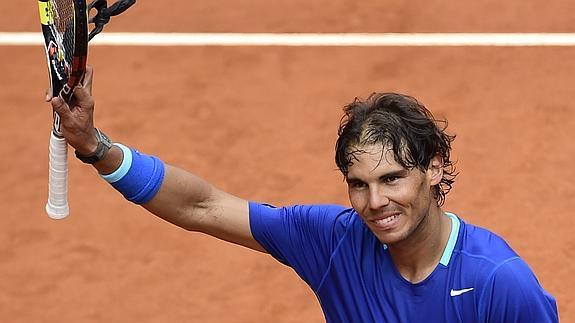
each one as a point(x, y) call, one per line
point(387, 222)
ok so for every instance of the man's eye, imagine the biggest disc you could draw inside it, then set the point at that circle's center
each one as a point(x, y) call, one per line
point(357, 185)
point(391, 179)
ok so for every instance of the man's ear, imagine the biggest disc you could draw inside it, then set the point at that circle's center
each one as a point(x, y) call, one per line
point(435, 170)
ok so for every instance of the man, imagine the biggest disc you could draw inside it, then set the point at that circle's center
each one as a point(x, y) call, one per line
point(396, 256)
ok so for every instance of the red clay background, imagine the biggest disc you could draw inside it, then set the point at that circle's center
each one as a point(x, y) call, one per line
point(261, 123)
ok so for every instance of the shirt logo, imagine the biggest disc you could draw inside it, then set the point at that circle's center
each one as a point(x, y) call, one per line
point(457, 292)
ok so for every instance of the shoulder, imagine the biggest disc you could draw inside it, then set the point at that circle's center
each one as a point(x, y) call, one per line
point(303, 237)
point(311, 211)
point(512, 293)
point(480, 253)
point(483, 245)
point(328, 218)
point(507, 288)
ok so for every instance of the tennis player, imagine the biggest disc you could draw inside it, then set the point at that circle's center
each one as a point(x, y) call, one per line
point(396, 256)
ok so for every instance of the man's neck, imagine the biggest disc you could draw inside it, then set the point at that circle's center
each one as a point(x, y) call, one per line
point(416, 257)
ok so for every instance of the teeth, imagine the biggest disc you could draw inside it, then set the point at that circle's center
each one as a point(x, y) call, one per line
point(386, 220)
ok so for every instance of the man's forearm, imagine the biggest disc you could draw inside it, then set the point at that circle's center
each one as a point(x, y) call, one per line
point(190, 202)
point(183, 199)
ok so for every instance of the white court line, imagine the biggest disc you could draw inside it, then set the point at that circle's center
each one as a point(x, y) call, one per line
point(308, 39)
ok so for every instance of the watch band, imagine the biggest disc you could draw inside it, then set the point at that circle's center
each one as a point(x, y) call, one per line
point(104, 144)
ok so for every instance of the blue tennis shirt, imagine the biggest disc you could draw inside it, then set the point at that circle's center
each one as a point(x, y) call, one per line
point(479, 277)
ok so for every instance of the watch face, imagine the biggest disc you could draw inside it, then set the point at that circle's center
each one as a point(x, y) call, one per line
point(104, 144)
point(107, 142)
point(103, 138)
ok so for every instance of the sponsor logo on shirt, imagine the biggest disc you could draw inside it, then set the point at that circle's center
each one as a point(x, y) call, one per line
point(457, 292)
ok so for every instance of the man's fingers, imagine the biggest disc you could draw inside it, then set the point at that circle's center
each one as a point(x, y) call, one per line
point(60, 106)
point(48, 97)
point(82, 96)
point(83, 92)
point(88, 76)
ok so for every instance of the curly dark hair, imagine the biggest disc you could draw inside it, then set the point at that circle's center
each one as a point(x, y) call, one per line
point(402, 123)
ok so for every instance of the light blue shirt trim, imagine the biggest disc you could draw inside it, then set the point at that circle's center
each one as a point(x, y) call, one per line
point(119, 173)
point(452, 240)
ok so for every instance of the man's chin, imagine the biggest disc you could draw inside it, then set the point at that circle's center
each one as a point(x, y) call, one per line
point(389, 237)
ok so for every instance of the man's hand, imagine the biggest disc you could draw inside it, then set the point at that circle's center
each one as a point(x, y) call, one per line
point(77, 117)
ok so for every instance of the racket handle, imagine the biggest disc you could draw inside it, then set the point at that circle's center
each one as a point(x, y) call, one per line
point(57, 206)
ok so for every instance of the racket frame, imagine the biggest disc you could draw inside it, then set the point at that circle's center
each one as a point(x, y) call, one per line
point(62, 83)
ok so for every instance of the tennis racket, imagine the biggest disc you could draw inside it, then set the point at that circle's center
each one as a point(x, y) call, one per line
point(65, 31)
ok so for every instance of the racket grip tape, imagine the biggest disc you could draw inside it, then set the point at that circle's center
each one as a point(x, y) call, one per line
point(57, 205)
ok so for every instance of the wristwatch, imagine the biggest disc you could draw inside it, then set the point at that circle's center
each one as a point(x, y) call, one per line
point(104, 144)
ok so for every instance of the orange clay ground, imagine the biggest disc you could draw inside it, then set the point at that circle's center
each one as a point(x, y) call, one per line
point(260, 122)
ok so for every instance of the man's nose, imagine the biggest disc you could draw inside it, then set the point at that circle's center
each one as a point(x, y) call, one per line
point(377, 197)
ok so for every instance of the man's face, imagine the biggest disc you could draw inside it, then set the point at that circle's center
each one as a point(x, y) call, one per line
point(393, 201)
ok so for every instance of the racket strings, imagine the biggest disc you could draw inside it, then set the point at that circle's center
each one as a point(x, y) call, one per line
point(63, 13)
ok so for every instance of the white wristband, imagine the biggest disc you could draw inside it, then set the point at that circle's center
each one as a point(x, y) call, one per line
point(124, 167)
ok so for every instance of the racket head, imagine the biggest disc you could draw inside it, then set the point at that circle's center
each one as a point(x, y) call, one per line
point(65, 31)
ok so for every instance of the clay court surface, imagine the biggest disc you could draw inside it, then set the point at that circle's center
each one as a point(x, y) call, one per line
point(260, 122)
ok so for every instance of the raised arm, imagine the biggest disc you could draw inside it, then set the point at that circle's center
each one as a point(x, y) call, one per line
point(182, 199)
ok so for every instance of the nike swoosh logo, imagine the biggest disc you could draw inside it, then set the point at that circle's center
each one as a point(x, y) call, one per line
point(457, 292)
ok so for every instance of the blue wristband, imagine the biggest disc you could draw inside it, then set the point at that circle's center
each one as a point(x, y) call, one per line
point(139, 177)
